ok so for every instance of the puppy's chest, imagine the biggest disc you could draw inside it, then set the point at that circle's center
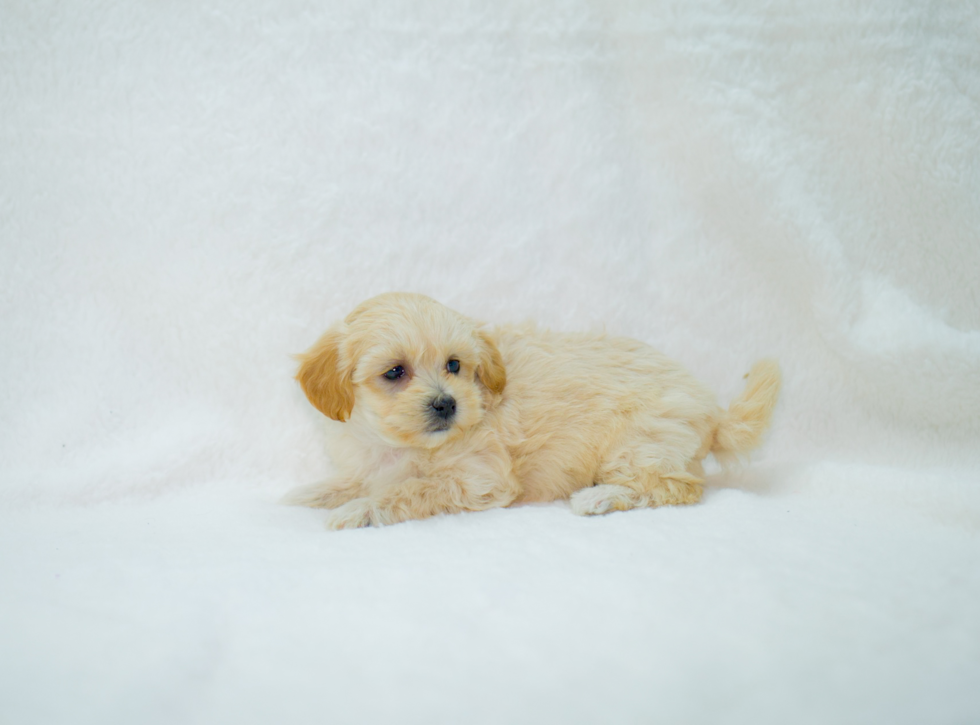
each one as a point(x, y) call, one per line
point(391, 457)
point(386, 467)
point(368, 459)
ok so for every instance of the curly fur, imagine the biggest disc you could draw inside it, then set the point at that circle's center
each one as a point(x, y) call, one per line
point(608, 422)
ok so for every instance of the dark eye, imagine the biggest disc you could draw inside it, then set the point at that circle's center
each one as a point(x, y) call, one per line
point(453, 366)
point(395, 373)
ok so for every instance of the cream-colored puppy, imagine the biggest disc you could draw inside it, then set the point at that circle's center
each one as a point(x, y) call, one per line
point(436, 414)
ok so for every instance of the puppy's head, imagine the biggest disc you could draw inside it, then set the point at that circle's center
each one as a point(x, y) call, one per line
point(414, 371)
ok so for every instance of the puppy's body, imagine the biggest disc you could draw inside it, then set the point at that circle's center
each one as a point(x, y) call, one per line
point(572, 399)
point(536, 416)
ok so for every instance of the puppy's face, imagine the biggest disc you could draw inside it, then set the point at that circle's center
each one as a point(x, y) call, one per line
point(415, 372)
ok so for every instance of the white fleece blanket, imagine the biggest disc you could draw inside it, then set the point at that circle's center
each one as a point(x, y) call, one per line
point(191, 192)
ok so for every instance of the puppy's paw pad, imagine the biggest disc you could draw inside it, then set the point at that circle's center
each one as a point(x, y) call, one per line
point(354, 514)
point(601, 499)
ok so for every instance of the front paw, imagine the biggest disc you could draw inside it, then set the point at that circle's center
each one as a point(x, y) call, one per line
point(327, 494)
point(354, 514)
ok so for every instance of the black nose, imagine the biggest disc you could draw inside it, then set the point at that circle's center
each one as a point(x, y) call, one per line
point(444, 406)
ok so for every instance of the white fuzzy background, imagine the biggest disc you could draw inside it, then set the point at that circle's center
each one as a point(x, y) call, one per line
point(191, 191)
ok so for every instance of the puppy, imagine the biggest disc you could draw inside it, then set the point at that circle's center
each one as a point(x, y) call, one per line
point(434, 414)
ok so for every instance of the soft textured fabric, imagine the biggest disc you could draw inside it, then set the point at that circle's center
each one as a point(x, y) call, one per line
point(191, 192)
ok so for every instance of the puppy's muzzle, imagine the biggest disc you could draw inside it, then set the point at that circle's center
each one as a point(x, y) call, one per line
point(442, 409)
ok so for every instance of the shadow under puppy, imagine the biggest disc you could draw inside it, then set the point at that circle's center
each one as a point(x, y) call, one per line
point(435, 414)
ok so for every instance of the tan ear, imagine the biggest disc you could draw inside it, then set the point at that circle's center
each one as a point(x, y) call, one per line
point(326, 382)
point(490, 369)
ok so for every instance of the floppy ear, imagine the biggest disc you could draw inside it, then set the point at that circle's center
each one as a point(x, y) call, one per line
point(490, 370)
point(326, 382)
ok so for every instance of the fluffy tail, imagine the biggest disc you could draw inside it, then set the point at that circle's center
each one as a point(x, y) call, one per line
point(740, 428)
